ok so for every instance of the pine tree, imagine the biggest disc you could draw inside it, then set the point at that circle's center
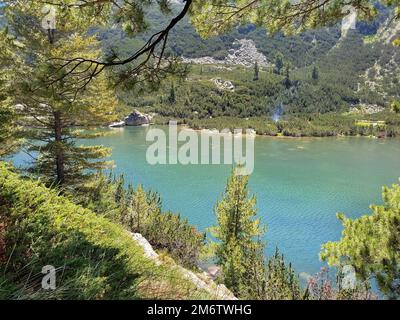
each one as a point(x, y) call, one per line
point(281, 280)
point(54, 105)
point(119, 194)
point(238, 248)
point(396, 106)
point(315, 73)
point(137, 211)
point(256, 72)
point(278, 63)
point(8, 125)
point(98, 195)
point(254, 283)
point(211, 17)
point(371, 244)
point(172, 96)
point(128, 218)
point(287, 83)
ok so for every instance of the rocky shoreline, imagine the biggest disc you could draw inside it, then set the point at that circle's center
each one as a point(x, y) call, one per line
point(135, 119)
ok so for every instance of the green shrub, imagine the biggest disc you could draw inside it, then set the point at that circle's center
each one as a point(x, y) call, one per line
point(140, 212)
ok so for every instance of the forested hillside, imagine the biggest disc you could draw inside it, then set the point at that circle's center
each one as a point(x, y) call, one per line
point(306, 75)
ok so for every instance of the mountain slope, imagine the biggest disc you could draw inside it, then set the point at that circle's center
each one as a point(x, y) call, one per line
point(94, 258)
point(349, 70)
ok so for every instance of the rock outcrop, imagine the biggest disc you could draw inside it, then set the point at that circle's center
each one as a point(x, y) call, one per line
point(137, 118)
point(148, 249)
point(243, 53)
point(118, 124)
point(366, 109)
point(246, 54)
point(202, 281)
point(223, 85)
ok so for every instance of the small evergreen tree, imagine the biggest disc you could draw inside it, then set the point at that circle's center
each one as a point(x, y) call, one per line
point(256, 71)
point(278, 63)
point(287, 83)
point(98, 195)
point(371, 244)
point(138, 210)
point(141, 213)
point(396, 106)
point(315, 73)
point(119, 194)
point(281, 281)
point(8, 124)
point(238, 248)
point(172, 95)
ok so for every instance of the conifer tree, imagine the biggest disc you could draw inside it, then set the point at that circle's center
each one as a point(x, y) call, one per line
point(137, 210)
point(256, 72)
point(396, 106)
point(119, 193)
point(238, 248)
point(371, 244)
point(54, 105)
point(212, 17)
point(8, 125)
point(98, 195)
point(287, 83)
point(281, 281)
point(278, 63)
point(172, 95)
point(315, 73)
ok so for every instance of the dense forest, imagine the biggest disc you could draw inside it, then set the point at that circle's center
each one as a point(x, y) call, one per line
point(320, 82)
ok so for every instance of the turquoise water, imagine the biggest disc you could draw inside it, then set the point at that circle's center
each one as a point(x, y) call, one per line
point(300, 185)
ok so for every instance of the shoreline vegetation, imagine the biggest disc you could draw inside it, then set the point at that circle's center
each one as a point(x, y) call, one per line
point(294, 127)
point(309, 108)
point(278, 136)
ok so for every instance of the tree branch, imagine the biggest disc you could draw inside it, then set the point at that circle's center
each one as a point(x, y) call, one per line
point(147, 51)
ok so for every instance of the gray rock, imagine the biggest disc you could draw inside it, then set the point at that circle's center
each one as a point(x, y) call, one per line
point(118, 124)
point(213, 272)
point(137, 118)
point(148, 249)
point(201, 281)
point(223, 85)
point(243, 53)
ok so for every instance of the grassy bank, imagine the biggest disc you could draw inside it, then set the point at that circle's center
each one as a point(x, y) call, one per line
point(94, 258)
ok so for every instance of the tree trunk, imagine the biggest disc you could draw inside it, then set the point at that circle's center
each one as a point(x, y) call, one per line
point(59, 150)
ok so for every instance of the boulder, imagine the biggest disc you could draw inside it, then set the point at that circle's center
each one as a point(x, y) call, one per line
point(137, 118)
point(148, 249)
point(202, 281)
point(118, 124)
point(214, 272)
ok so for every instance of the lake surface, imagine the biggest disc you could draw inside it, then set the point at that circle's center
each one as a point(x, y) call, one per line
point(300, 185)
